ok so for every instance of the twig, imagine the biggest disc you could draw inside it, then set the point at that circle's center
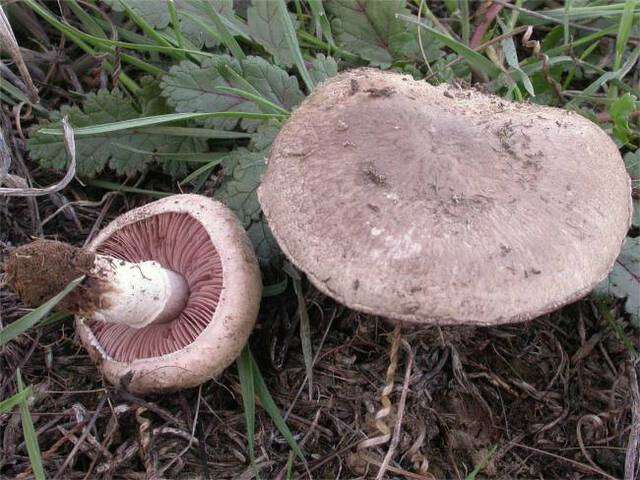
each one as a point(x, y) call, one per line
point(581, 466)
point(193, 432)
point(632, 463)
point(70, 146)
point(82, 438)
point(395, 439)
point(80, 203)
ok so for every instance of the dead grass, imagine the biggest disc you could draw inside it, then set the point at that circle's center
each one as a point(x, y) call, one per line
point(547, 399)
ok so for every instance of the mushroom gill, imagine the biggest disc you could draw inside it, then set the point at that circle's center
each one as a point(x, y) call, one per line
point(179, 243)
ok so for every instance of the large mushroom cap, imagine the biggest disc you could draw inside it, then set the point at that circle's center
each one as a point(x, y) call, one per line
point(441, 205)
point(201, 240)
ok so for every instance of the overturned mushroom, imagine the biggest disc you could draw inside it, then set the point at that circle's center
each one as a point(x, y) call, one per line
point(171, 295)
point(439, 205)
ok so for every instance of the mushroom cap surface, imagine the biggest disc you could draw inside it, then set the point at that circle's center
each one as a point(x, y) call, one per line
point(439, 205)
point(201, 239)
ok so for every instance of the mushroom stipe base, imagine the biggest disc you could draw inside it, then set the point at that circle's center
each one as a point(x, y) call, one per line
point(39, 270)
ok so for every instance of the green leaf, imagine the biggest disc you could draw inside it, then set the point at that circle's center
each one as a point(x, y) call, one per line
point(266, 28)
point(192, 88)
point(197, 8)
point(322, 68)
point(32, 318)
point(125, 152)
point(620, 111)
point(370, 29)
point(624, 279)
point(242, 172)
point(264, 136)
point(30, 435)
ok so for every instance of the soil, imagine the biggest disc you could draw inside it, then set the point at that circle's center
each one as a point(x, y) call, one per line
point(550, 398)
point(39, 270)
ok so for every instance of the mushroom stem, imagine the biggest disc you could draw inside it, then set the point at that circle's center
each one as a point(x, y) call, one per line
point(138, 294)
point(115, 290)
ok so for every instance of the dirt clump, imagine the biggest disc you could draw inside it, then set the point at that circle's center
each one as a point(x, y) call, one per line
point(39, 270)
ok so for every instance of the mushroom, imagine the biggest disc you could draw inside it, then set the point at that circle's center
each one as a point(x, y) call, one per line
point(171, 293)
point(443, 205)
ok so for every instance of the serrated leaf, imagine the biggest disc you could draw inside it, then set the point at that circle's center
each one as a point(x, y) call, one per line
point(322, 68)
point(370, 29)
point(191, 29)
point(264, 136)
point(620, 111)
point(243, 170)
point(624, 279)
point(125, 152)
point(266, 29)
point(155, 13)
point(192, 88)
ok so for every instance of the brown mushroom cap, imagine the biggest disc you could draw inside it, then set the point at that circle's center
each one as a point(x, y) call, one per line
point(200, 239)
point(439, 205)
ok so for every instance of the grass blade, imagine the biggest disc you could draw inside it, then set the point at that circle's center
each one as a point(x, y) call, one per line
point(157, 120)
point(606, 77)
point(259, 100)
point(565, 21)
point(175, 23)
point(262, 392)
point(305, 328)
point(274, 289)
point(29, 320)
point(30, 436)
point(197, 132)
point(201, 170)
point(624, 31)
point(87, 20)
point(225, 35)
point(123, 188)
point(247, 387)
point(465, 26)
point(292, 42)
point(482, 464)
point(144, 26)
point(317, 10)
point(475, 59)
point(8, 404)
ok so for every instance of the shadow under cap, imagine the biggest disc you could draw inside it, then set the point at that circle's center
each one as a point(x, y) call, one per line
point(439, 205)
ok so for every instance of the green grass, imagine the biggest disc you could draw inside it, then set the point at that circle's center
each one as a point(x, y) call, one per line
point(32, 319)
